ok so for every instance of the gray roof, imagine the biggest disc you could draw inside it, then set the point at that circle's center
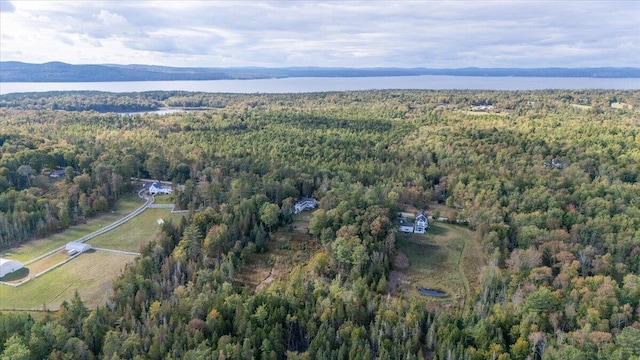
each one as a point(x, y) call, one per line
point(75, 245)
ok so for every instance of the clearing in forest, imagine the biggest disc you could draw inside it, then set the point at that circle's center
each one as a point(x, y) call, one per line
point(288, 247)
point(445, 258)
point(34, 248)
point(90, 273)
point(136, 232)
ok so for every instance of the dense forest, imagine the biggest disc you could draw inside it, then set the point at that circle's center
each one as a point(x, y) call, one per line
point(546, 180)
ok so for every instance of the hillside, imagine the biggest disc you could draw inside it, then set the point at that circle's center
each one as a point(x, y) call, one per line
point(11, 71)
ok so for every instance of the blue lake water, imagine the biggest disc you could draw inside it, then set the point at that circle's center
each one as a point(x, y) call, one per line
point(323, 84)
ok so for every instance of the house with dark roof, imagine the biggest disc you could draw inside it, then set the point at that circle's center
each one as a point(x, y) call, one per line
point(405, 226)
point(305, 204)
point(421, 223)
point(418, 226)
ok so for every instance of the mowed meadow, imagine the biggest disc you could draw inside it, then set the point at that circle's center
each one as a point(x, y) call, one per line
point(91, 274)
point(36, 247)
point(445, 258)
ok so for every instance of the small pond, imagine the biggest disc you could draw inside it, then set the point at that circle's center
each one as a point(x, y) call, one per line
point(432, 292)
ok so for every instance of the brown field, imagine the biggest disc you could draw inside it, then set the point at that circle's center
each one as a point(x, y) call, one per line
point(621, 105)
point(288, 247)
point(582, 107)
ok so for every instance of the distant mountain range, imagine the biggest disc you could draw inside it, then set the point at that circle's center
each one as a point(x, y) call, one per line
point(13, 71)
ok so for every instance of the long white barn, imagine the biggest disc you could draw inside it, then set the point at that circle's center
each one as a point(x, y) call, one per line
point(75, 247)
point(8, 266)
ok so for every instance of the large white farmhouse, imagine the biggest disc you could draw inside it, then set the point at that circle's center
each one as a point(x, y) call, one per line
point(419, 226)
point(305, 204)
point(421, 223)
point(159, 188)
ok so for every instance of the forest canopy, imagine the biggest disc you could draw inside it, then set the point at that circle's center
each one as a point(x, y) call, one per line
point(546, 180)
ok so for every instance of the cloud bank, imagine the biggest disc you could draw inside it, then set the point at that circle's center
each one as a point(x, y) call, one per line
point(438, 34)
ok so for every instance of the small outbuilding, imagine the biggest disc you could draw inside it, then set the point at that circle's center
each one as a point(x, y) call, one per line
point(8, 266)
point(57, 173)
point(419, 226)
point(406, 227)
point(75, 247)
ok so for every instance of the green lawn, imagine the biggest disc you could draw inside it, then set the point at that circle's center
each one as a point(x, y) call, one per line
point(91, 274)
point(37, 247)
point(136, 232)
point(435, 260)
point(164, 199)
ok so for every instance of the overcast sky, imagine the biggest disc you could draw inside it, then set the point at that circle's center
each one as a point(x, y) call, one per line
point(436, 34)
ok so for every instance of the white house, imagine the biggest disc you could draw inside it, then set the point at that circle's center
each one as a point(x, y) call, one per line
point(57, 173)
point(158, 188)
point(406, 227)
point(75, 247)
point(421, 223)
point(8, 266)
point(419, 226)
point(305, 204)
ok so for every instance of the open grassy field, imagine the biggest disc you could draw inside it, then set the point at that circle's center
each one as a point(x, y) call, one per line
point(621, 105)
point(36, 267)
point(164, 199)
point(136, 232)
point(90, 274)
point(37, 247)
point(440, 259)
point(474, 258)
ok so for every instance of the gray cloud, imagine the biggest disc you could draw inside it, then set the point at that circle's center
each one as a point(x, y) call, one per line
point(316, 33)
